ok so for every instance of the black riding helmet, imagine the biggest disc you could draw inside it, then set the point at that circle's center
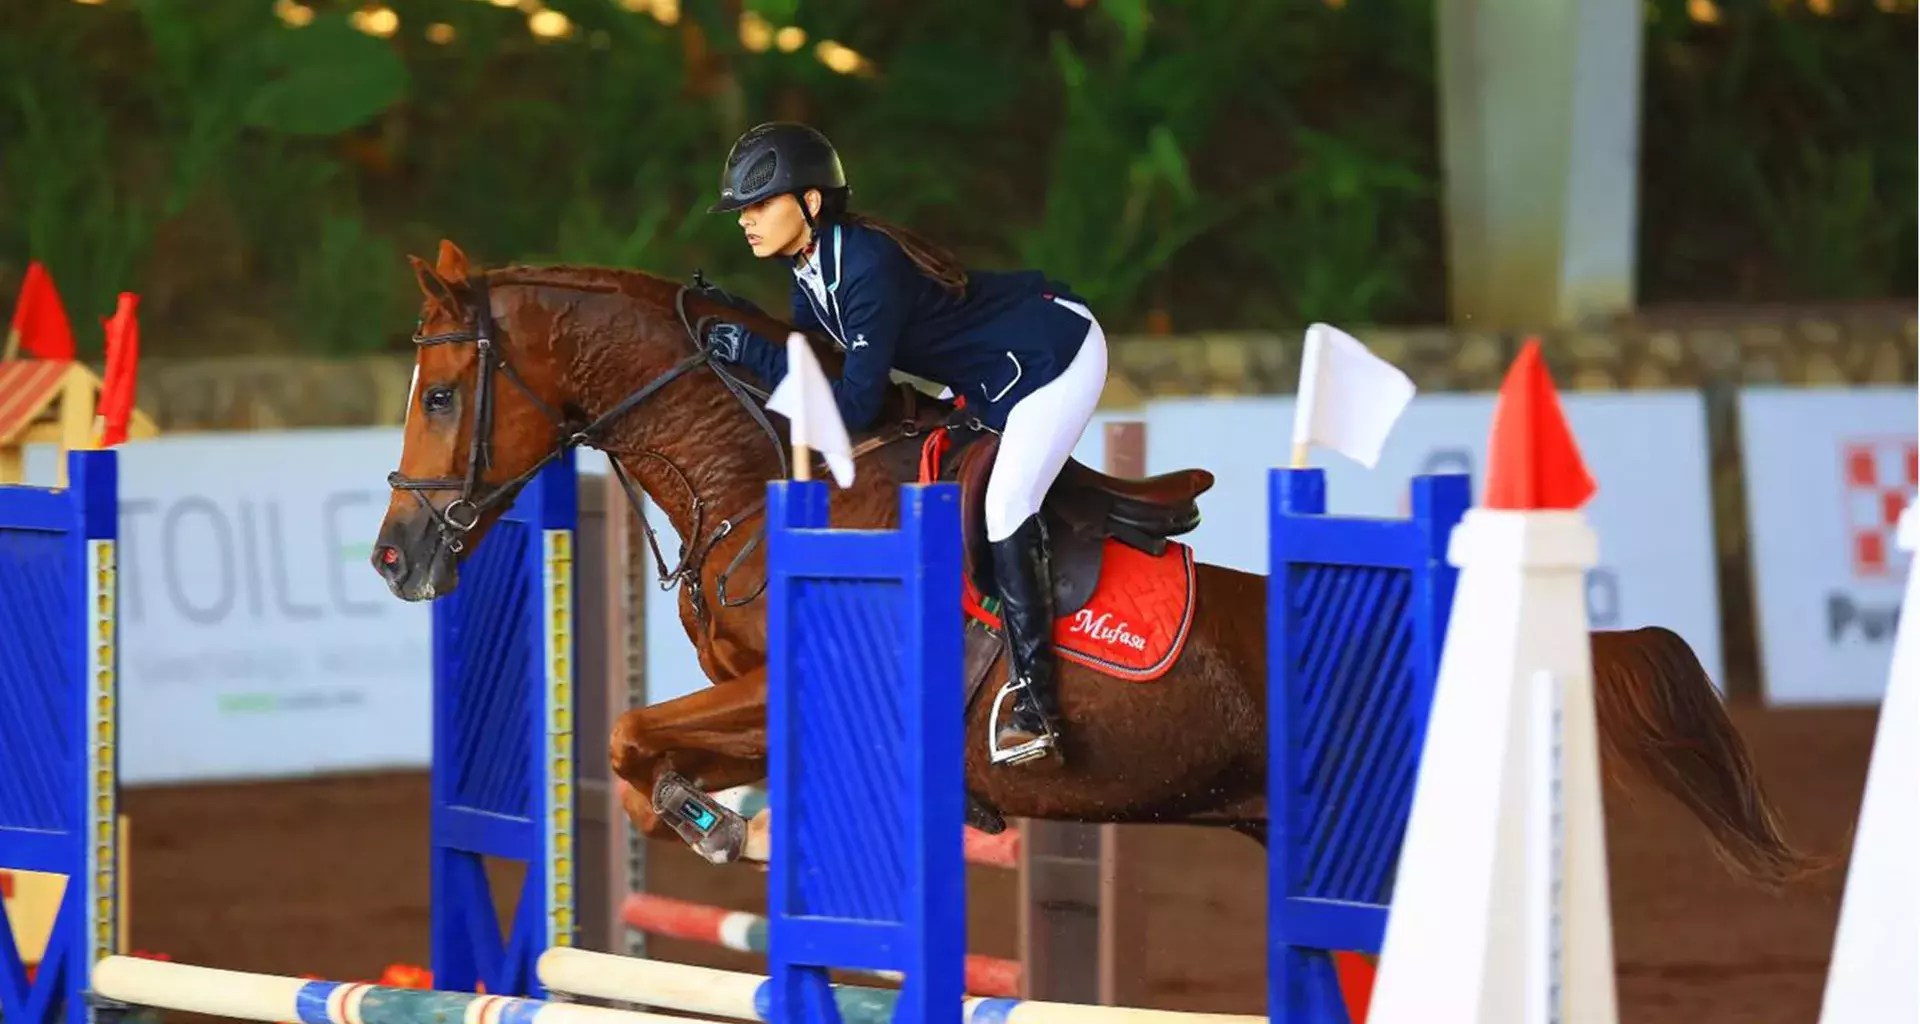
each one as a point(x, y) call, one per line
point(776, 158)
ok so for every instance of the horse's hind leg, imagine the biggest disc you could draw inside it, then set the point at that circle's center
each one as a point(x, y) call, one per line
point(710, 740)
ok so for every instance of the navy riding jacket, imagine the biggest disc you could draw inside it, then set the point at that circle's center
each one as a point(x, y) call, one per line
point(994, 346)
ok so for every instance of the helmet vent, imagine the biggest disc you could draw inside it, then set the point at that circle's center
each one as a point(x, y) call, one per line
point(758, 174)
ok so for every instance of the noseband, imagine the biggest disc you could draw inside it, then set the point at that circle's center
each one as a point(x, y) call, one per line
point(458, 517)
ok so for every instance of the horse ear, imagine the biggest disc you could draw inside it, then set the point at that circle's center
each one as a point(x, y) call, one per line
point(452, 266)
point(430, 284)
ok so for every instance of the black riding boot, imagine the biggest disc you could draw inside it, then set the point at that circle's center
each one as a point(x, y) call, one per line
point(1024, 574)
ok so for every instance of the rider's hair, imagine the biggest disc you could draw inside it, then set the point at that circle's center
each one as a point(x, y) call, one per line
point(930, 259)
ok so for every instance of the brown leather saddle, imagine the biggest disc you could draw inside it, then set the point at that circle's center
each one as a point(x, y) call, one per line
point(1082, 510)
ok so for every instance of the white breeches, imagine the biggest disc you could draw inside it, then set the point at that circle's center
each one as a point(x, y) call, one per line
point(1041, 432)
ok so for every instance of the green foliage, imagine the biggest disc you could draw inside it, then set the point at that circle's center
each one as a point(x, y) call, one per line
point(1225, 164)
point(68, 208)
point(1347, 206)
point(223, 68)
point(337, 297)
point(1779, 153)
point(323, 80)
point(1120, 202)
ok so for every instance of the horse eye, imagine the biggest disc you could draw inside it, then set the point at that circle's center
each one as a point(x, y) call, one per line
point(437, 399)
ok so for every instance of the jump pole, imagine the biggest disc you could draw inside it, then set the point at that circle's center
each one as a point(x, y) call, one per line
point(739, 996)
point(132, 981)
point(747, 933)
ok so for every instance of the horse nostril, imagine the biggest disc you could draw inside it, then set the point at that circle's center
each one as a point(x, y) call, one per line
point(388, 561)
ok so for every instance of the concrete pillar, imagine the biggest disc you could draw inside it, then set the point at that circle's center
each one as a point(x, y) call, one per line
point(1540, 129)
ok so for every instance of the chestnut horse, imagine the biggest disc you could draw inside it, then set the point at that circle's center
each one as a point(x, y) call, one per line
point(516, 364)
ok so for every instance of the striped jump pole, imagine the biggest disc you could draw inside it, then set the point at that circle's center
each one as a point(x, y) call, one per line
point(736, 995)
point(134, 981)
point(747, 933)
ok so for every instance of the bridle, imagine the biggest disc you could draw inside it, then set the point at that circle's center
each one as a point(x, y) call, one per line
point(476, 497)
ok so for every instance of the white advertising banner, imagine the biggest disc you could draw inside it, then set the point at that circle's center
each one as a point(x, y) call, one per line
point(256, 639)
point(258, 642)
point(1828, 472)
point(1646, 450)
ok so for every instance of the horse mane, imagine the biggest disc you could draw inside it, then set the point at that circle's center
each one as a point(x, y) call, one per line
point(659, 294)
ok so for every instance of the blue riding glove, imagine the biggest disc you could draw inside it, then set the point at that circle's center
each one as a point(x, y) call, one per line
point(724, 340)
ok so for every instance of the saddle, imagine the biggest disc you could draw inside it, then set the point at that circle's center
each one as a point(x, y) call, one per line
point(1082, 510)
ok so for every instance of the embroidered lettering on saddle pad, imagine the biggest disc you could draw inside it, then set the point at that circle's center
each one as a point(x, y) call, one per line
point(1137, 621)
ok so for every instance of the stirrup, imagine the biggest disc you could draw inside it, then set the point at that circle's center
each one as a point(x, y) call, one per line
point(1037, 747)
point(715, 831)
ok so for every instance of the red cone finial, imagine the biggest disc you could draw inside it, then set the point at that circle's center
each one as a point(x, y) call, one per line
point(1533, 462)
point(40, 328)
point(123, 358)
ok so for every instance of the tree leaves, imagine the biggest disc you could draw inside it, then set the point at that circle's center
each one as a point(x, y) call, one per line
point(324, 79)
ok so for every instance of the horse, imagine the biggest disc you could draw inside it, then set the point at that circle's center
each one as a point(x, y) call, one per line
point(609, 358)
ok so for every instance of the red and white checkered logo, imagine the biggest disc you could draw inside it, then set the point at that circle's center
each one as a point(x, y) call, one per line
point(1880, 478)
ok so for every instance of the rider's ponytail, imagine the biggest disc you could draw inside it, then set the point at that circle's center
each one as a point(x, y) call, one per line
point(929, 258)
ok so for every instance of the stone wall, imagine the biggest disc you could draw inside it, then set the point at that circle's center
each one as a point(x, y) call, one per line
point(1709, 349)
point(1714, 350)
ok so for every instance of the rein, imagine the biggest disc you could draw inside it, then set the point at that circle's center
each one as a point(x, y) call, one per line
point(458, 517)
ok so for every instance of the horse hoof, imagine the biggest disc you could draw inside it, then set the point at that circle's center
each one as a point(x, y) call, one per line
point(984, 817)
point(759, 846)
point(714, 830)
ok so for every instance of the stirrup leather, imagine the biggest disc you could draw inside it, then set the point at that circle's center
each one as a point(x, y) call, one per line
point(1039, 746)
point(714, 830)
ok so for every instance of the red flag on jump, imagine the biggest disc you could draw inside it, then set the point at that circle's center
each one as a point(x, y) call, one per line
point(1533, 461)
point(123, 358)
point(39, 329)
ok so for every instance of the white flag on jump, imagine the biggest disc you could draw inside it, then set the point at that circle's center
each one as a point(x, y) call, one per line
point(805, 398)
point(1349, 398)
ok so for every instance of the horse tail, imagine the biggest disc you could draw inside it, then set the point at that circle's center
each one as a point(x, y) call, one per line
point(1659, 716)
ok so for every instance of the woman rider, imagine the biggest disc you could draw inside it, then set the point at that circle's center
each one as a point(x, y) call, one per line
point(1030, 360)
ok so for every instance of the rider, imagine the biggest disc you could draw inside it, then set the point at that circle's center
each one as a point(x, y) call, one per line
point(1028, 357)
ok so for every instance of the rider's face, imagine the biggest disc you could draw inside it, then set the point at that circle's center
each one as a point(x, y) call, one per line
point(775, 227)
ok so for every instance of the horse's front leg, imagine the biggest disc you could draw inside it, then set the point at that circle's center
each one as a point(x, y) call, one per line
point(674, 754)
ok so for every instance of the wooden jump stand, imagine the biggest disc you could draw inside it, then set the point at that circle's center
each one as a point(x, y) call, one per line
point(1081, 936)
point(51, 402)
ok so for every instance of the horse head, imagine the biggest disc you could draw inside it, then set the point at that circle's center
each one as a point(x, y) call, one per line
point(487, 409)
point(516, 365)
